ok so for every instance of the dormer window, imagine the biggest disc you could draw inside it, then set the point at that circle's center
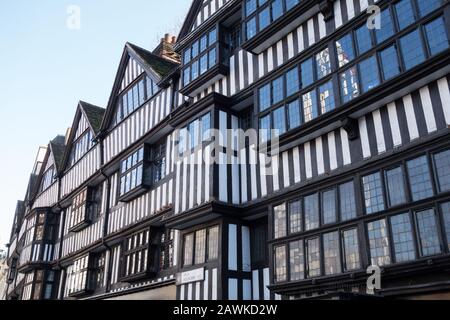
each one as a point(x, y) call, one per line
point(81, 146)
point(134, 97)
point(48, 179)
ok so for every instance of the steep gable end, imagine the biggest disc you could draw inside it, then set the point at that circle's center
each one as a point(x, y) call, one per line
point(136, 63)
point(200, 11)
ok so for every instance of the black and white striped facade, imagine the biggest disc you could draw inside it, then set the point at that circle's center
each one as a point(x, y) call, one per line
point(391, 124)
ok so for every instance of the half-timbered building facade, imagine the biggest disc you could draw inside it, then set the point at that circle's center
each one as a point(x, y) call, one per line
point(155, 196)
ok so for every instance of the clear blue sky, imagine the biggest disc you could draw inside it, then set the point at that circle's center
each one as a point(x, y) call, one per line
point(46, 68)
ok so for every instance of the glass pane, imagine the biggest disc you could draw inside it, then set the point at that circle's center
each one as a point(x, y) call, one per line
point(329, 206)
point(427, 6)
point(264, 97)
point(295, 216)
point(379, 243)
point(291, 3)
point(373, 193)
point(212, 36)
point(251, 28)
point(389, 62)
point(313, 246)
point(250, 7)
point(277, 90)
point(188, 249)
point(349, 84)
point(347, 201)
point(292, 82)
point(405, 13)
point(280, 264)
point(396, 186)
point(428, 233)
point(326, 97)
point(345, 51)
point(264, 18)
point(412, 49)
point(363, 39)
point(194, 70)
point(277, 9)
point(442, 164)
point(279, 221)
point(387, 27)
point(311, 212)
point(351, 248)
point(419, 178)
point(297, 261)
point(323, 63)
point(264, 127)
point(310, 111)
point(213, 243)
point(187, 55)
point(200, 246)
point(436, 36)
point(279, 121)
point(332, 260)
point(307, 73)
point(402, 238)
point(294, 114)
point(445, 208)
point(204, 63)
point(212, 57)
point(369, 74)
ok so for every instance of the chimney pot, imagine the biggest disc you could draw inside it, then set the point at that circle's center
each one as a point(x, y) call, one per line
point(167, 37)
point(174, 40)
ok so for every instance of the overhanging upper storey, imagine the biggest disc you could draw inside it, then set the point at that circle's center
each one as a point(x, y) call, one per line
point(267, 21)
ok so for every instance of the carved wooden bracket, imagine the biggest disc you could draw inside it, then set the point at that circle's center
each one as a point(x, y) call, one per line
point(351, 126)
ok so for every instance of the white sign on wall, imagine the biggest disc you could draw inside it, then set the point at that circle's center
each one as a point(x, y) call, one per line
point(191, 276)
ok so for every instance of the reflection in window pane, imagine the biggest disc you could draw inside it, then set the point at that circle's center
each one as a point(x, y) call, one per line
point(295, 216)
point(427, 6)
point(369, 74)
point(347, 201)
point(373, 193)
point(405, 13)
point(445, 208)
point(349, 84)
point(297, 261)
point(419, 178)
point(351, 249)
point(307, 73)
point(329, 206)
point(402, 238)
point(264, 97)
point(442, 164)
point(395, 186)
point(345, 52)
point(280, 264)
point(436, 36)
point(310, 111)
point(412, 50)
point(379, 243)
point(292, 82)
point(311, 211)
point(326, 97)
point(264, 127)
point(294, 114)
point(279, 121)
point(323, 63)
point(389, 62)
point(279, 221)
point(387, 27)
point(200, 246)
point(277, 90)
point(363, 39)
point(313, 247)
point(331, 253)
point(428, 233)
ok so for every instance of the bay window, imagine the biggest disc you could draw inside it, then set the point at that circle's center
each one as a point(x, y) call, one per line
point(201, 246)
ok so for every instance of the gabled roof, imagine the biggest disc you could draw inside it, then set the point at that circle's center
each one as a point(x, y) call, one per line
point(156, 67)
point(153, 62)
point(93, 114)
point(190, 19)
point(57, 147)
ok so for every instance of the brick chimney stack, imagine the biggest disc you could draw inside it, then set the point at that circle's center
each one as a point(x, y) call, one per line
point(165, 48)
